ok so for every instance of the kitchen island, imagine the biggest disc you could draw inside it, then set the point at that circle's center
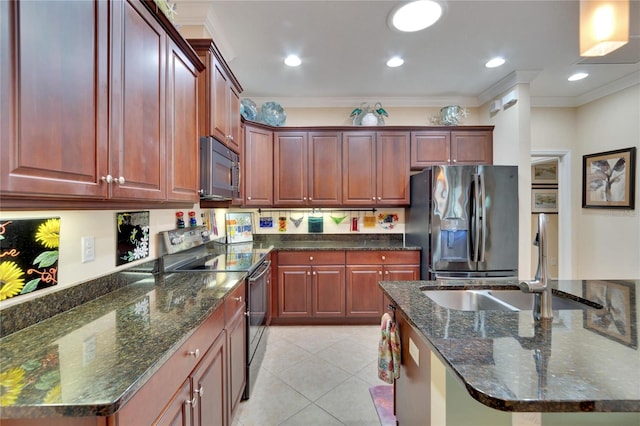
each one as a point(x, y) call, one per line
point(583, 363)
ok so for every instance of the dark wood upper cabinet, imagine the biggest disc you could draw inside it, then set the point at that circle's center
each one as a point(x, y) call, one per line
point(54, 81)
point(137, 134)
point(257, 166)
point(98, 104)
point(183, 151)
point(467, 146)
point(219, 98)
point(307, 169)
point(375, 168)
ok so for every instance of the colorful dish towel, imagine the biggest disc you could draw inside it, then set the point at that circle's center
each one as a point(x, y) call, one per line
point(388, 350)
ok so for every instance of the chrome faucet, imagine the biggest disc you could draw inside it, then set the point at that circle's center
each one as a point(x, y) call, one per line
point(540, 285)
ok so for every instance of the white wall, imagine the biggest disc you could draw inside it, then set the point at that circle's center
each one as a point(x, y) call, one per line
point(605, 243)
point(607, 240)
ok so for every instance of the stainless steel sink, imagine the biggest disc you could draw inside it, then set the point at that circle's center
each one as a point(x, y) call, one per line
point(500, 300)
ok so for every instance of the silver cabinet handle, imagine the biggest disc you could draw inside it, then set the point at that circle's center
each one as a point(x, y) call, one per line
point(193, 402)
point(239, 298)
point(195, 353)
point(110, 179)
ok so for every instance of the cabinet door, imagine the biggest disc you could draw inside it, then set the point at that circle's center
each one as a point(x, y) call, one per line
point(328, 291)
point(392, 172)
point(210, 386)
point(294, 291)
point(178, 411)
point(237, 356)
point(138, 63)
point(290, 168)
point(182, 127)
point(358, 168)
point(53, 108)
point(430, 148)
point(364, 296)
point(325, 168)
point(258, 167)
point(219, 102)
point(401, 272)
point(235, 137)
point(472, 147)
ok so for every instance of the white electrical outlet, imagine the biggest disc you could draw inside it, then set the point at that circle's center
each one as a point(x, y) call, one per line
point(88, 249)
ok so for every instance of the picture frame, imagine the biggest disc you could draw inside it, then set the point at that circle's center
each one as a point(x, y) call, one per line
point(608, 179)
point(617, 320)
point(544, 173)
point(544, 200)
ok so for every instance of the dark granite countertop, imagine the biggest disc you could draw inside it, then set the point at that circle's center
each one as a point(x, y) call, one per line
point(90, 360)
point(321, 242)
point(586, 362)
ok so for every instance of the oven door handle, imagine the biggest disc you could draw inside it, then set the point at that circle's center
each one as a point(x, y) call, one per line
point(265, 267)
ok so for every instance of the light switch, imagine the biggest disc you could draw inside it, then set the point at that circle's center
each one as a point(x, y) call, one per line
point(88, 249)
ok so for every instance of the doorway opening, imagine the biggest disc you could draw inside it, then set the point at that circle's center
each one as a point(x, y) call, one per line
point(554, 198)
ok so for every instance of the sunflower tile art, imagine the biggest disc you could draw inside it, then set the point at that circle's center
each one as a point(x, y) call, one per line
point(28, 255)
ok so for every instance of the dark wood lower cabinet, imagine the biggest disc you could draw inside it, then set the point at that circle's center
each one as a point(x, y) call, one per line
point(364, 297)
point(178, 412)
point(209, 382)
point(338, 287)
point(237, 358)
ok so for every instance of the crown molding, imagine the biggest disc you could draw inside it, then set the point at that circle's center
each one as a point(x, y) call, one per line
point(516, 77)
point(350, 102)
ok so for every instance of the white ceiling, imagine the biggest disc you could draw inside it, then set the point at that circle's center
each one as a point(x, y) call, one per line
point(344, 46)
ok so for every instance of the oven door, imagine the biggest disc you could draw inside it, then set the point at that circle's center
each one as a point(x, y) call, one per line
point(258, 304)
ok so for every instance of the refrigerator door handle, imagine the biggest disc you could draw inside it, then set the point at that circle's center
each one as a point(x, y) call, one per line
point(483, 219)
point(476, 217)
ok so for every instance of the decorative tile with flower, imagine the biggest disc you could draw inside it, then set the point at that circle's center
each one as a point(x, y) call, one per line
point(28, 255)
point(133, 236)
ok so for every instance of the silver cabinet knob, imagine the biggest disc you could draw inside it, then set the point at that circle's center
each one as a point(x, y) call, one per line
point(248, 198)
point(193, 402)
point(384, 257)
point(195, 353)
point(107, 179)
point(239, 298)
point(120, 180)
point(310, 257)
point(379, 198)
point(199, 391)
point(455, 161)
point(379, 272)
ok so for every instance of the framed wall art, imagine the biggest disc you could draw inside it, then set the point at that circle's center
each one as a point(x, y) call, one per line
point(608, 179)
point(544, 173)
point(544, 200)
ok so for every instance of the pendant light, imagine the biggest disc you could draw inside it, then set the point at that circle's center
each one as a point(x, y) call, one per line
point(604, 26)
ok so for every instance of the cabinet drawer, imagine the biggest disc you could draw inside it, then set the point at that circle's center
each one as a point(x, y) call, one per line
point(311, 257)
point(383, 257)
point(234, 302)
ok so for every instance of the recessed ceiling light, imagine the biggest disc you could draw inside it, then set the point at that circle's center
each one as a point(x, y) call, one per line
point(292, 61)
point(578, 76)
point(396, 61)
point(495, 62)
point(415, 16)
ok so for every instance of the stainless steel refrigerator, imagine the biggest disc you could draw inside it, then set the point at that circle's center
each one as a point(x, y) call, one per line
point(465, 219)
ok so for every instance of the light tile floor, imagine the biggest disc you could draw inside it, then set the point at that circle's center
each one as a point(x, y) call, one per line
point(315, 375)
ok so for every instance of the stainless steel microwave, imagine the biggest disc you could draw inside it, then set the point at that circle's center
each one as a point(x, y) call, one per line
point(219, 171)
